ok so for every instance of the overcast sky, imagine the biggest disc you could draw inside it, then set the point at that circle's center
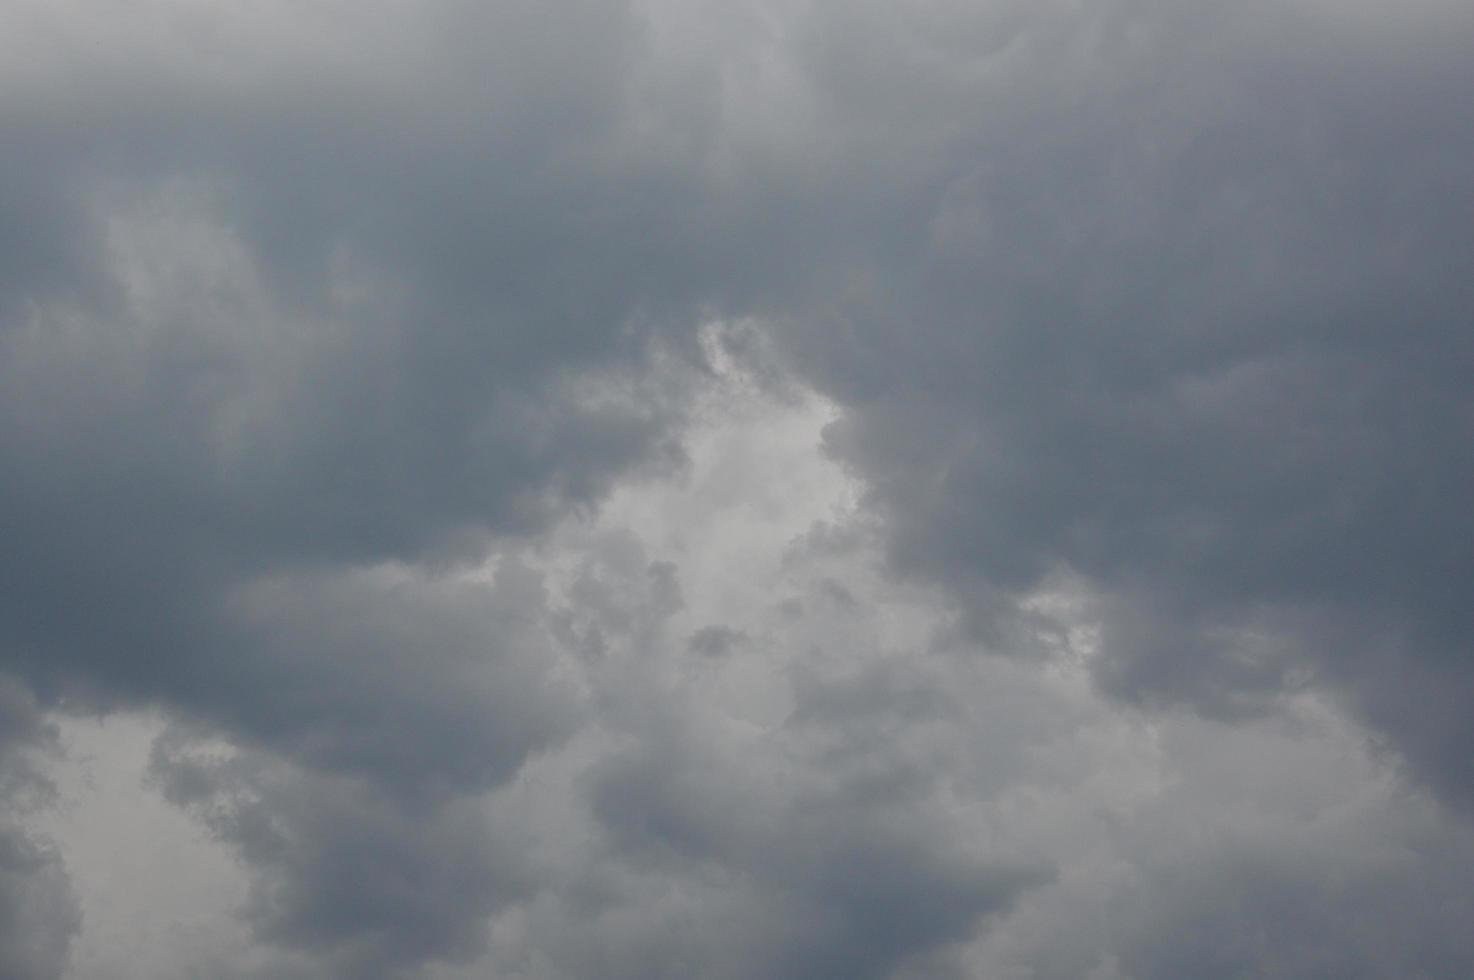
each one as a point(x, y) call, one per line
point(737, 489)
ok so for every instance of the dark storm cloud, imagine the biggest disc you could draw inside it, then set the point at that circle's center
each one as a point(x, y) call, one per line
point(301, 308)
point(1183, 310)
point(287, 301)
point(216, 395)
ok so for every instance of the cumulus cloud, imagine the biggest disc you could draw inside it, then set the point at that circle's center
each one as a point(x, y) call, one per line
point(669, 489)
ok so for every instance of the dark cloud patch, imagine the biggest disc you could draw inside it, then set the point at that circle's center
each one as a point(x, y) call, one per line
point(425, 687)
point(368, 885)
point(1181, 309)
point(38, 913)
point(858, 899)
point(337, 312)
point(716, 641)
point(844, 835)
point(367, 714)
point(1252, 914)
point(289, 305)
point(38, 909)
point(896, 903)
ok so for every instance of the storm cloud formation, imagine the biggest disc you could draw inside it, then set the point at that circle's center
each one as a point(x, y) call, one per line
point(1194, 327)
point(644, 489)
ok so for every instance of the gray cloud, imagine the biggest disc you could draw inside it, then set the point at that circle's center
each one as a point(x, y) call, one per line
point(320, 327)
point(366, 884)
point(384, 706)
point(38, 909)
point(271, 326)
point(716, 641)
point(1181, 310)
point(854, 898)
point(38, 913)
point(1238, 863)
point(1241, 914)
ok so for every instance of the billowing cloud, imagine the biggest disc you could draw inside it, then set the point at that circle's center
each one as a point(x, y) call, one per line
point(727, 490)
point(1180, 310)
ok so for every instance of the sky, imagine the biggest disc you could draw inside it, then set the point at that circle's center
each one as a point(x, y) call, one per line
point(748, 489)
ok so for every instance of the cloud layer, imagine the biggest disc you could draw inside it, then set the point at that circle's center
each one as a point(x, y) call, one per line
point(731, 490)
